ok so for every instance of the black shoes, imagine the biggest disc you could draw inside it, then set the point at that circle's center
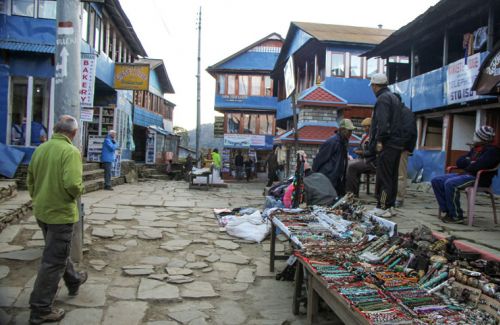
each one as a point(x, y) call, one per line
point(54, 316)
point(448, 219)
point(108, 188)
point(73, 289)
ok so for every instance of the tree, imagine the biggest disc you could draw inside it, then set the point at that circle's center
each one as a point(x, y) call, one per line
point(183, 134)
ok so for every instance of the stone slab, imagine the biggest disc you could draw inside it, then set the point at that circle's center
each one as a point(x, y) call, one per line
point(175, 245)
point(103, 232)
point(82, 316)
point(177, 279)
point(178, 271)
point(230, 313)
point(125, 312)
point(5, 248)
point(236, 259)
point(10, 233)
point(150, 234)
point(122, 293)
point(196, 265)
point(198, 289)
point(156, 290)
point(8, 295)
point(154, 260)
point(116, 247)
point(226, 244)
point(186, 316)
point(245, 275)
point(29, 254)
point(4, 271)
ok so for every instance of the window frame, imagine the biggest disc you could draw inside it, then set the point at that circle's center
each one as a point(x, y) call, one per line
point(97, 34)
point(85, 13)
point(38, 9)
point(377, 61)
point(361, 70)
point(344, 64)
point(254, 87)
point(34, 9)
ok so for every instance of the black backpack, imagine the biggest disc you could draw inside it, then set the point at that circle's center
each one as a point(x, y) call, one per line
point(409, 128)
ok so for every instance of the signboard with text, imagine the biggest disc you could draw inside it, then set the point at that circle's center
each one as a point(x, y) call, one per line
point(94, 148)
point(131, 76)
point(289, 77)
point(460, 78)
point(219, 127)
point(87, 114)
point(87, 85)
point(244, 141)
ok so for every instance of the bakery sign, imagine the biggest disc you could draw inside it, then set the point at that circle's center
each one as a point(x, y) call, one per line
point(488, 80)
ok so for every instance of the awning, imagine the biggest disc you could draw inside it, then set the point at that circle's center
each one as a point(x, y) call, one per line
point(488, 79)
point(27, 47)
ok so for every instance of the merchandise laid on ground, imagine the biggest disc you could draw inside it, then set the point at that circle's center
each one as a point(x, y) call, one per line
point(368, 273)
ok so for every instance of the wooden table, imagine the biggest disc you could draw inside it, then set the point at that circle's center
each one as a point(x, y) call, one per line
point(199, 186)
point(318, 287)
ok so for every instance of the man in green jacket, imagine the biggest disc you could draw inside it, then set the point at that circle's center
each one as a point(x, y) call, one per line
point(54, 184)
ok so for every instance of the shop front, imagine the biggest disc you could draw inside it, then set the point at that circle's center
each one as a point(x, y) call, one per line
point(256, 147)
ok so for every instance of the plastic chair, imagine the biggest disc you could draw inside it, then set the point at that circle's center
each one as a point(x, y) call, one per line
point(471, 192)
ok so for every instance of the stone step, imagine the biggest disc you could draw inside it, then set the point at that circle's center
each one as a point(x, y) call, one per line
point(8, 190)
point(98, 184)
point(14, 209)
point(93, 174)
point(163, 177)
point(90, 166)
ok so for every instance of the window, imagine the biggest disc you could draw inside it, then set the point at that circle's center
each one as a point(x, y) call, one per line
point(97, 34)
point(371, 67)
point(3, 6)
point(338, 68)
point(355, 67)
point(47, 9)
point(85, 22)
point(23, 8)
point(221, 84)
point(39, 111)
point(268, 86)
point(256, 84)
point(433, 136)
point(266, 124)
point(243, 85)
point(250, 126)
point(231, 85)
point(233, 122)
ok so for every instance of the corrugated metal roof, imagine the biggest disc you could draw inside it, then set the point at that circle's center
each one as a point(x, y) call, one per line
point(27, 47)
point(251, 61)
point(342, 33)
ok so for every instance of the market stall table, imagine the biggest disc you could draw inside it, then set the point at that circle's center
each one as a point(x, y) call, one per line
point(199, 186)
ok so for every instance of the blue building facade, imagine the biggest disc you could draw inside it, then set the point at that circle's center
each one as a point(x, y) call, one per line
point(244, 95)
point(331, 82)
point(446, 55)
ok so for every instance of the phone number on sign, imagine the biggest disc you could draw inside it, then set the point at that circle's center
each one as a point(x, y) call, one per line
point(462, 94)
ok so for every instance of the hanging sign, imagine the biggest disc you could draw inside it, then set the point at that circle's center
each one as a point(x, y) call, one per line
point(289, 77)
point(219, 127)
point(87, 114)
point(87, 85)
point(150, 148)
point(132, 76)
point(460, 78)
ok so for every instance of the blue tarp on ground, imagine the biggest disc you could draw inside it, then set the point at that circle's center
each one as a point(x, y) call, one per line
point(10, 159)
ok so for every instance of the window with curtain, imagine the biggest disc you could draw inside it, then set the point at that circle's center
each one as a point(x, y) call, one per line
point(233, 122)
point(85, 22)
point(47, 9)
point(97, 34)
point(250, 126)
point(243, 85)
point(338, 65)
point(256, 84)
point(371, 67)
point(23, 8)
point(355, 69)
point(221, 83)
point(266, 124)
point(268, 86)
point(231, 85)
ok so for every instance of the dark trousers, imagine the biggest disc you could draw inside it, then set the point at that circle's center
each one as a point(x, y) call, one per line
point(447, 190)
point(386, 184)
point(107, 174)
point(355, 168)
point(55, 264)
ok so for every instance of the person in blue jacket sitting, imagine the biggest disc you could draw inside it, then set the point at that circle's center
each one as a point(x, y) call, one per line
point(483, 155)
point(108, 157)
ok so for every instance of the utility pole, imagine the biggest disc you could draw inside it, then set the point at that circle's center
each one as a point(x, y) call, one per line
point(198, 93)
point(67, 86)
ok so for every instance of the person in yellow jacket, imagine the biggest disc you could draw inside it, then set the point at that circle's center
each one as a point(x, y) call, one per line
point(216, 160)
point(54, 184)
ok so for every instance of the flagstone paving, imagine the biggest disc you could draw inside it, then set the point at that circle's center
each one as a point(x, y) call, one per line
point(155, 255)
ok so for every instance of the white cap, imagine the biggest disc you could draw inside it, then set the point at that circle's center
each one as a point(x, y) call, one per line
point(378, 79)
point(112, 131)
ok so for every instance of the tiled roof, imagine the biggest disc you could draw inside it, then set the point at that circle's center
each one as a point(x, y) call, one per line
point(313, 134)
point(320, 94)
point(27, 47)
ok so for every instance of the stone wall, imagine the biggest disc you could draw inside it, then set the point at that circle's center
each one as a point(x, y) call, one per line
point(316, 114)
point(310, 149)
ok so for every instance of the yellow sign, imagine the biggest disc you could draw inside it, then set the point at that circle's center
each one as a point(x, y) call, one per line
point(132, 76)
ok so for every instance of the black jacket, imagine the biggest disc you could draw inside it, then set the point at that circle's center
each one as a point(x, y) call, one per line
point(386, 122)
point(238, 160)
point(484, 157)
point(331, 161)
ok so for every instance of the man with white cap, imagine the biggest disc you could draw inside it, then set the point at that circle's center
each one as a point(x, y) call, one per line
point(108, 157)
point(483, 155)
point(386, 139)
point(331, 159)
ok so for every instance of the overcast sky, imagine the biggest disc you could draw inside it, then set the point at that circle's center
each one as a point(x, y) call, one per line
point(167, 30)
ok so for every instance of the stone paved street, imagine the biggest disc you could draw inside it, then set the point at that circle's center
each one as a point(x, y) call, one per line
point(155, 255)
